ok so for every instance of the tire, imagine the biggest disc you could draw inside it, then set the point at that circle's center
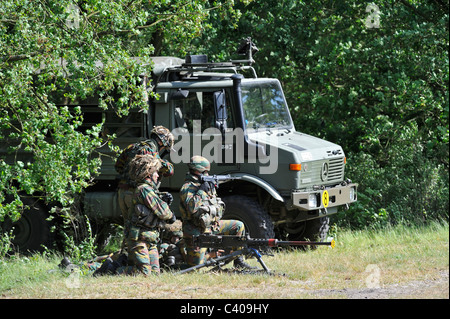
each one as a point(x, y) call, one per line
point(257, 221)
point(314, 230)
point(31, 231)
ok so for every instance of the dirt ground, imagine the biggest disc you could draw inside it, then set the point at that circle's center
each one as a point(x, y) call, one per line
point(436, 288)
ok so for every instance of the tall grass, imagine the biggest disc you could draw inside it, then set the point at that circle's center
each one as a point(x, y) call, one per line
point(400, 254)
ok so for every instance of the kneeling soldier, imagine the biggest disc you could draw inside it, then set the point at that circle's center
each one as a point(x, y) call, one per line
point(201, 212)
point(151, 213)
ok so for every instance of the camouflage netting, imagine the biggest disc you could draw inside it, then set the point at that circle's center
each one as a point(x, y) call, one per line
point(143, 166)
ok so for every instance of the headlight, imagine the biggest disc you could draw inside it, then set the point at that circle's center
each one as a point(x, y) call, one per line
point(352, 194)
point(312, 200)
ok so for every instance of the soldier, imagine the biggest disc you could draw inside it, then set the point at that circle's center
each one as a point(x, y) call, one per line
point(201, 212)
point(149, 216)
point(160, 142)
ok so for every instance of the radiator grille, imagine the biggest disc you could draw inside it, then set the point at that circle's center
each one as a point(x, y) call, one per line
point(311, 172)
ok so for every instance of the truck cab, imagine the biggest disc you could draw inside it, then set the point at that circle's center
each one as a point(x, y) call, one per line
point(288, 183)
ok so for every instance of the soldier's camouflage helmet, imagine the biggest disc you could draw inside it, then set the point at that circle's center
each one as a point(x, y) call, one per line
point(142, 166)
point(199, 164)
point(165, 136)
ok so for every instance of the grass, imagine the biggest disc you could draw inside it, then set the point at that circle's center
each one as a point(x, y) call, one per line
point(395, 255)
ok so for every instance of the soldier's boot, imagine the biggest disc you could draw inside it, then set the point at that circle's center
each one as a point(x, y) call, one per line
point(122, 260)
point(108, 267)
point(241, 264)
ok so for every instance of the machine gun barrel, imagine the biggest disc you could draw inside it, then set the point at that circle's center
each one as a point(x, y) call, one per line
point(229, 241)
point(276, 243)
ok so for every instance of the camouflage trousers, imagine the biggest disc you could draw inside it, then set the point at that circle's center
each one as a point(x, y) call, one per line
point(87, 268)
point(143, 258)
point(125, 199)
point(196, 255)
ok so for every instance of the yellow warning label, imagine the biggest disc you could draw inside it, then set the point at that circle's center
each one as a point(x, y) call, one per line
point(325, 198)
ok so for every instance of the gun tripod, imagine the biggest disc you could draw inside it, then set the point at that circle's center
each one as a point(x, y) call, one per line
point(219, 262)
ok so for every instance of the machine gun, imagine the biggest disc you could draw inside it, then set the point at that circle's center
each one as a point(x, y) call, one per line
point(245, 246)
point(215, 179)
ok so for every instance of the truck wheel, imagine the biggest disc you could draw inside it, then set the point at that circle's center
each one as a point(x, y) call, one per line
point(314, 230)
point(31, 231)
point(258, 223)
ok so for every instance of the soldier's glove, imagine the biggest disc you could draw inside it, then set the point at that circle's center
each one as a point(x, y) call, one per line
point(202, 210)
point(167, 197)
point(213, 211)
point(172, 220)
point(207, 186)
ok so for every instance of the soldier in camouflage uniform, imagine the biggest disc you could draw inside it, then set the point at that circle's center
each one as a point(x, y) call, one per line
point(160, 142)
point(149, 216)
point(201, 212)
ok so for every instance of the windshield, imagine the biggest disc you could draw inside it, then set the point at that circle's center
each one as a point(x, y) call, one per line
point(264, 106)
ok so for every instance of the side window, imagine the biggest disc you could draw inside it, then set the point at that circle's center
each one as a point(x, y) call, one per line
point(131, 125)
point(199, 106)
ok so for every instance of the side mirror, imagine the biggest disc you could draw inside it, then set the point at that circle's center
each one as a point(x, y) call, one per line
point(220, 109)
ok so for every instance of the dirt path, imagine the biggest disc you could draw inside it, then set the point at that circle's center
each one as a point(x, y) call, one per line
point(436, 288)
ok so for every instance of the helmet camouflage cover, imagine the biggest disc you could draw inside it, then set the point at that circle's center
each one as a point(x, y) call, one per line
point(142, 166)
point(164, 135)
point(199, 164)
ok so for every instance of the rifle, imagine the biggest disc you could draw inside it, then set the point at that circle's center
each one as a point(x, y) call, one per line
point(248, 246)
point(215, 179)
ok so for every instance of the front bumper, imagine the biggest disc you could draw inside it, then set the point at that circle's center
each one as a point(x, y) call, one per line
point(325, 198)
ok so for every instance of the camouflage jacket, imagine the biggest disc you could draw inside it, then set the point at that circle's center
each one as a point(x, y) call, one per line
point(146, 194)
point(139, 148)
point(196, 207)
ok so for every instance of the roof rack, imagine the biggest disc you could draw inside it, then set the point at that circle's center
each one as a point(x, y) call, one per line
point(212, 67)
point(199, 63)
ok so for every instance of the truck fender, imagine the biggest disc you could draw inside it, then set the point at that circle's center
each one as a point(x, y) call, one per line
point(261, 183)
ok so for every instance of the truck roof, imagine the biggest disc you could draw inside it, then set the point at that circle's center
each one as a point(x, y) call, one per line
point(216, 81)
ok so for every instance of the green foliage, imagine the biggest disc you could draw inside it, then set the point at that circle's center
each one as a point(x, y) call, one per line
point(5, 243)
point(61, 165)
point(79, 242)
point(410, 190)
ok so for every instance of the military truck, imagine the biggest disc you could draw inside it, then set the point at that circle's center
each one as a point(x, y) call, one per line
point(286, 184)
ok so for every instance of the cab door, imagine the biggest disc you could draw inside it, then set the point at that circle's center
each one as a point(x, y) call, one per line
point(203, 125)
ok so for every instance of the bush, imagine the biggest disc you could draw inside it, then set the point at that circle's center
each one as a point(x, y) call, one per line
point(409, 188)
